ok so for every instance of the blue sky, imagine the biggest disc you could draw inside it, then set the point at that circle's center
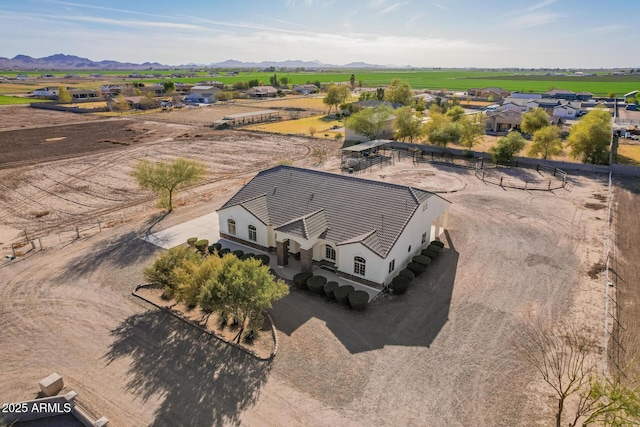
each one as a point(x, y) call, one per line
point(422, 33)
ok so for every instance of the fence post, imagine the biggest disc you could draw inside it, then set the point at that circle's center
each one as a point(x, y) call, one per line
point(525, 184)
point(501, 181)
point(77, 232)
point(99, 225)
point(549, 184)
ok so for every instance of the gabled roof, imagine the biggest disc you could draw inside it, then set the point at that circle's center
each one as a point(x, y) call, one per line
point(338, 208)
point(559, 92)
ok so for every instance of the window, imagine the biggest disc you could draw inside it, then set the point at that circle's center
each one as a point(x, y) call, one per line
point(424, 237)
point(392, 265)
point(359, 265)
point(253, 235)
point(231, 224)
point(330, 253)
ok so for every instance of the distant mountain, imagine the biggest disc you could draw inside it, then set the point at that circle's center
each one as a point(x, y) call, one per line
point(61, 61)
point(70, 62)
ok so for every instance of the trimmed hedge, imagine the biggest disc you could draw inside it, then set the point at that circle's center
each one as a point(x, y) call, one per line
point(435, 248)
point(417, 268)
point(424, 253)
point(328, 288)
point(407, 273)
point(201, 245)
point(300, 279)
point(342, 293)
point(224, 251)
point(430, 253)
point(247, 256)
point(437, 243)
point(422, 259)
point(400, 284)
point(191, 241)
point(238, 253)
point(358, 300)
point(264, 258)
point(316, 284)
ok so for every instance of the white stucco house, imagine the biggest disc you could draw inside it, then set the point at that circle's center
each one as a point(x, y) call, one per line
point(363, 230)
point(202, 94)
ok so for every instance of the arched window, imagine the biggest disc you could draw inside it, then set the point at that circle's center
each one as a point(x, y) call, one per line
point(231, 225)
point(359, 265)
point(330, 253)
point(253, 234)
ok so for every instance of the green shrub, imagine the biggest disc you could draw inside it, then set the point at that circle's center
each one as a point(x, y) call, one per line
point(422, 259)
point(417, 268)
point(358, 300)
point(265, 259)
point(191, 241)
point(217, 246)
point(211, 249)
point(316, 284)
point(247, 256)
point(224, 251)
point(300, 279)
point(435, 248)
point(407, 273)
point(424, 253)
point(238, 253)
point(400, 284)
point(437, 243)
point(201, 245)
point(328, 288)
point(342, 293)
point(430, 253)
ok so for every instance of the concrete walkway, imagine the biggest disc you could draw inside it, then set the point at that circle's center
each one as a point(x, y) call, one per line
point(207, 227)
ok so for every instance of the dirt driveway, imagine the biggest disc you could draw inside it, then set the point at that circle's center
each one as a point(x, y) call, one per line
point(439, 355)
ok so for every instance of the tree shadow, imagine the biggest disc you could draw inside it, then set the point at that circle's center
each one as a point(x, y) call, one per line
point(413, 319)
point(203, 380)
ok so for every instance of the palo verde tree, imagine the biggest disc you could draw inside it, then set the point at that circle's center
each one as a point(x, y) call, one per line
point(169, 87)
point(335, 96)
point(64, 97)
point(398, 92)
point(162, 271)
point(589, 139)
point(507, 147)
point(369, 121)
point(456, 113)
point(441, 130)
point(164, 178)
point(473, 127)
point(546, 142)
point(406, 125)
point(534, 120)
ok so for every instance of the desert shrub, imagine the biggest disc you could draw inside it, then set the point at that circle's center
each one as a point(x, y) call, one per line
point(358, 300)
point(162, 271)
point(247, 256)
point(400, 284)
point(437, 243)
point(201, 245)
point(422, 259)
point(300, 279)
point(224, 251)
point(265, 259)
point(417, 268)
point(342, 293)
point(238, 253)
point(430, 253)
point(435, 248)
point(316, 284)
point(191, 241)
point(251, 335)
point(407, 273)
point(328, 288)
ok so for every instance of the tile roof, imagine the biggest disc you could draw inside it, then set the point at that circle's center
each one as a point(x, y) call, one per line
point(340, 208)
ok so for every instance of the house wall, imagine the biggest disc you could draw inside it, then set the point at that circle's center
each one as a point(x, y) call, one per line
point(243, 219)
point(564, 112)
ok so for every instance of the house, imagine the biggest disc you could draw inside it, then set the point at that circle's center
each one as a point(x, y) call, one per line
point(47, 92)
point(262, 92)
point(77, 94)
point(584, 96)
point(155, 89)
point(305, 89)
point(362, 229)
point(560, 94)
point(568, 110)
point(503, 121)
point(202, 94)
point(518, 95)
point(489, 92)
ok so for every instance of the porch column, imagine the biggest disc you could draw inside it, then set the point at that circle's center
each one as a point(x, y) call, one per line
point(445, 219)
point(282, 253)
point(306, 259)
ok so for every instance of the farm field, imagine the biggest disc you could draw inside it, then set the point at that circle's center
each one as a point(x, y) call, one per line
point(301, 127)
point(14, 100)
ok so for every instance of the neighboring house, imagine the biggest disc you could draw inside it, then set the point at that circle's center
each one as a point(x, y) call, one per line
point(565, 111)
point(426, 97)
point(583, 96)
point(110, 89)
point(305, 89)
point(363, 230)
point(155, 89)
point(77, 94)
point(502, 121)
point(561, 94)
point(514, 106)
point(262, 92)
point(487, 92)
point(47, 92)
point(202, 94)
point(518, 95)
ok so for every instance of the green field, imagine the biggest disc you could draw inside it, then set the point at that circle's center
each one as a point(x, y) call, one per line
point(456, 80)
point(12, 100)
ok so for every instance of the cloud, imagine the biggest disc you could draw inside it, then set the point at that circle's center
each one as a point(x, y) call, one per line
point(129, 23)
point(390, 9)
point(531, 20)
point(608, 29)
point(532, 8)
point(441, 6)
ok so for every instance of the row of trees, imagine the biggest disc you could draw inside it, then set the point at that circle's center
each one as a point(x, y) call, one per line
point(239, 289)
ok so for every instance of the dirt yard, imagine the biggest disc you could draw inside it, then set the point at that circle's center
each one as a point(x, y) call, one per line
point(439, 355)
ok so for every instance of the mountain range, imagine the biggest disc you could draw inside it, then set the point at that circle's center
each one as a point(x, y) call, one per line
point(71, 62)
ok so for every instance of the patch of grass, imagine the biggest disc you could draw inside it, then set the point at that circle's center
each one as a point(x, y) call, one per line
point(14, 100)
point(321, 124)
